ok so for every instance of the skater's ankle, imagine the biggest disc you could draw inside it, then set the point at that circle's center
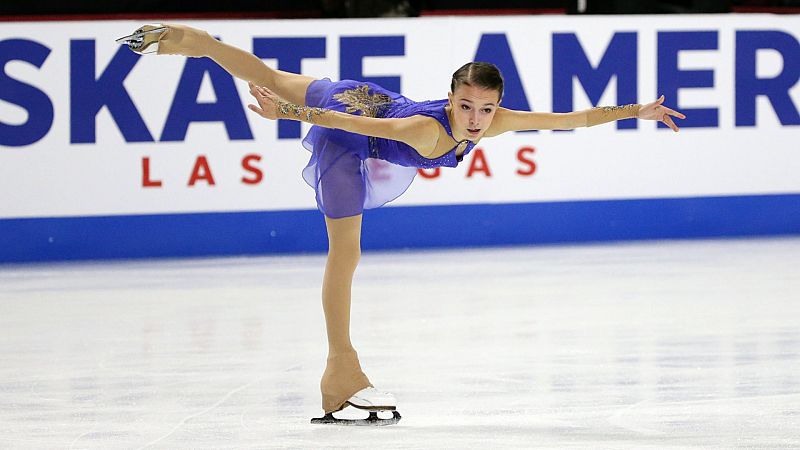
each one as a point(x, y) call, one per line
point(334, 353)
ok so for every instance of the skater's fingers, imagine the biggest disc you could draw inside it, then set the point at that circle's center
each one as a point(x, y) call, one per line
point(254, 87)
point(257, 110)
point(265, 92)
point(675, 113)
point(668, 120)
point(259, 96)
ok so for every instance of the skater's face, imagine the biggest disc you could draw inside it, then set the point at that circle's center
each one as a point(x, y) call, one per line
point(473, 109)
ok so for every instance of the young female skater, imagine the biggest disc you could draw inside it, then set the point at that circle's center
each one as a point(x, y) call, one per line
point(354, 122)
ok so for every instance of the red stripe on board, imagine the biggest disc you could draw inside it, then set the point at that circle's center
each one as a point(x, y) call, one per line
point(492, 12)
point(765, 9)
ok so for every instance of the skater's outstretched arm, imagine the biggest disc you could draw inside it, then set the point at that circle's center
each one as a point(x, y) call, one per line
point(511, 120)
point(417, 131)
point(192, 42)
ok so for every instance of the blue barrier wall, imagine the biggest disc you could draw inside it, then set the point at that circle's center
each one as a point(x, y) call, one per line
point(256, 233)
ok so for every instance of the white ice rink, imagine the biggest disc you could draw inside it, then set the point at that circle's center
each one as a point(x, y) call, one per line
point(645, 345)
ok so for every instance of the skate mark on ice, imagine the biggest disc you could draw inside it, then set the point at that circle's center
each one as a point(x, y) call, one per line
point(207, 410)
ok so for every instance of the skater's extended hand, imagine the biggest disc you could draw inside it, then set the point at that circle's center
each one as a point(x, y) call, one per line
point(657, 111)
point(267, 102)
point(183, 40)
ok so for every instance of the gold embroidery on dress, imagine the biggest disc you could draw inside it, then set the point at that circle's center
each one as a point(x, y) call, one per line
point(359, 99)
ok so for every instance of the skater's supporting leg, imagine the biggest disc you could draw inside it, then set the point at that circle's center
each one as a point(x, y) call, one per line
point(344, 252)
point(343, 376)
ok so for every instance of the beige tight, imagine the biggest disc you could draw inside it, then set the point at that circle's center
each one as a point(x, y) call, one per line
point(343, 376)
point(188, 41)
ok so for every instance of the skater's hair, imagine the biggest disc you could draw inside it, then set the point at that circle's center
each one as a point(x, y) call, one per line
point(480, 74)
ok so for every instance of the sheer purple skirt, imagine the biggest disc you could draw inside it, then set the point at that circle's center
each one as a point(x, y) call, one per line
point(345, 178)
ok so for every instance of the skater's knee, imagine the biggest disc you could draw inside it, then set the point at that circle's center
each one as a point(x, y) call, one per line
point(344, 255)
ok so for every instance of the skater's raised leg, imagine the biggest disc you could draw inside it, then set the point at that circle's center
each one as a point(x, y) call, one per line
point(175, 39)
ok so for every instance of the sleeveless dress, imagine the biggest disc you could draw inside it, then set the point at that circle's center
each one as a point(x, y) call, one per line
point(351, 172)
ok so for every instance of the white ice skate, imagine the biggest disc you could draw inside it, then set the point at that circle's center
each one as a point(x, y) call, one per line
point(145, 39)
point(368, 399)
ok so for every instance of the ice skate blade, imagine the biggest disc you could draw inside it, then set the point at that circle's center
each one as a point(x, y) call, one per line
point(373, 420)
point(144, 40)
point(372, 408)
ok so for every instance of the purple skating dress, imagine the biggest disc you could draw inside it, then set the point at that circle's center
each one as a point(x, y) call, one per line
point(351, 172)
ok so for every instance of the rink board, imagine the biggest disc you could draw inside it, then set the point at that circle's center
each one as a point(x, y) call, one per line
point(251, 233)
point(106, 154)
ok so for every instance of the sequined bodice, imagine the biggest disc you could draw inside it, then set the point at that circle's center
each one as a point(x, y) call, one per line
point(371, 100)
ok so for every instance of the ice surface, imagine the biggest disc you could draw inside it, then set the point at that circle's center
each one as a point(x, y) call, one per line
point(645, 345)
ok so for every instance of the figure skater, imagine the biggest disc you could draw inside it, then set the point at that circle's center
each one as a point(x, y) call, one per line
point(353, 123)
